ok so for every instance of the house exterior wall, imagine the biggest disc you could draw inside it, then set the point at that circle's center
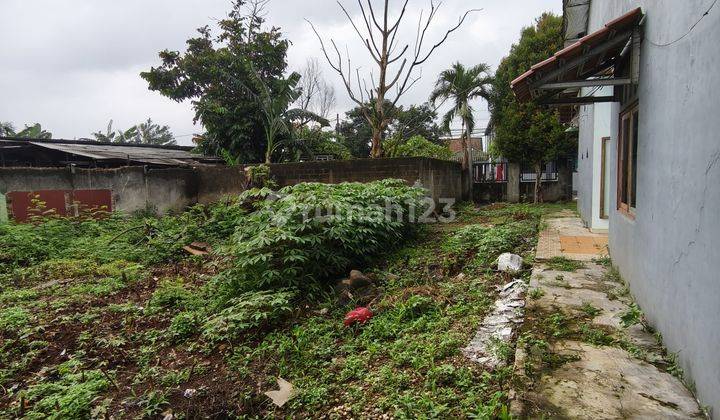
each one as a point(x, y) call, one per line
point(585, 171)
point(594, 124)
point(669, 252)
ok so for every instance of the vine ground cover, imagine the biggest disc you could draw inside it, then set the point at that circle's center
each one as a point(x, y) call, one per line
point(111, 317)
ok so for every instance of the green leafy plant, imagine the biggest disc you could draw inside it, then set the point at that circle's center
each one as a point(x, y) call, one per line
point(632, 316)
point(536, 293)
point(317, 230)
point(71, 395)
point(564, 264)
point(590, 310)
point(249, 310)
point(416, 146)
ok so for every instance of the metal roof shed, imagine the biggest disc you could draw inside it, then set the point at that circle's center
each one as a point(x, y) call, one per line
point(34, 152)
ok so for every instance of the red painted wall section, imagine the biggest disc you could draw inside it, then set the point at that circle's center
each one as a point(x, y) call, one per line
point(24, 204)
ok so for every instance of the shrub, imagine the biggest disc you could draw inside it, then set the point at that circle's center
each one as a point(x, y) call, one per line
point(416, 146)
point(184, 325)
point(13, 318)
point(284, 244)
point(170, 294)
point(247, 311)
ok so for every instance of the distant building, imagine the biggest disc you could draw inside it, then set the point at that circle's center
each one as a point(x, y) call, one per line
point(476, 147)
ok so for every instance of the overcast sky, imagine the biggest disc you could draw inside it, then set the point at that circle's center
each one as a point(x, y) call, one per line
point(73, 65)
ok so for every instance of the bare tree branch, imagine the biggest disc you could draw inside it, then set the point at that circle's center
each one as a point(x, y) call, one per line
point(381, 44)
point(364, 40)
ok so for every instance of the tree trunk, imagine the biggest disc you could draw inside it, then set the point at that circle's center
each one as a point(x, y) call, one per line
point(376, 150)
point(538, 183)
point(463, 143)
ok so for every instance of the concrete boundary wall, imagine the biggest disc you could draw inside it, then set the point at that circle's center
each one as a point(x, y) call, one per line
point(172, 190)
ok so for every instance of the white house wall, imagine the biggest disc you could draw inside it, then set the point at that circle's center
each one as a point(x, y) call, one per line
point(594, 125)
point(670, 252)
point(584, 164)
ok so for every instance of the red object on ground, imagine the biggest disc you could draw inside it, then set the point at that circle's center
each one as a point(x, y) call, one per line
point(358, 315)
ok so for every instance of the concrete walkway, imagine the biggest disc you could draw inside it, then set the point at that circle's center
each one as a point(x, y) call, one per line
point(584, 351)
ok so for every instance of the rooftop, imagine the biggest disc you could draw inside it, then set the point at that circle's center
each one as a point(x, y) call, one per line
point(64, 152)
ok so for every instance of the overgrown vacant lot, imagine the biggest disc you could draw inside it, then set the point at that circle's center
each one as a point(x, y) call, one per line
point(113, 317)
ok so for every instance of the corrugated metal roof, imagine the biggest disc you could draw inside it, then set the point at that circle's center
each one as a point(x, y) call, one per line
point(523, 85)
point(145, 154)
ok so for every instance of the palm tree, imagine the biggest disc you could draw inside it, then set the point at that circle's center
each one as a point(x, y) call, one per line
point(462, 85)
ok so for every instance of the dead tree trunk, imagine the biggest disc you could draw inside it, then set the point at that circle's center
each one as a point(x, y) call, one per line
point(394, 70)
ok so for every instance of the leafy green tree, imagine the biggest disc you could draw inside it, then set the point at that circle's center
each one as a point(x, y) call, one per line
point(7, 129)
point(143, 133)
point(417, 120)
point(155, 134)
point(416, 146)
point(317, 142)
point(34, 131)
point(462, 85)
point(214, 73)
point(277, 118)
point(528, 133)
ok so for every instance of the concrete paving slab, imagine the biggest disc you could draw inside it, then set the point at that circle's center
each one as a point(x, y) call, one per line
point(598, 382)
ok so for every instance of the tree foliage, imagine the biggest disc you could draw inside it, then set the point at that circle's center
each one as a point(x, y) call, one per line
point(144, 133)
point(34, 131)
point(527, 133)
point(317, 142)
point(417, 120)
point(404, 123)
point(215, 72)
point(277, 119)
point(416, 146)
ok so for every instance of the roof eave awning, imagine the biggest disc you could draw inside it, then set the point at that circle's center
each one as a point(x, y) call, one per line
point(586, 63)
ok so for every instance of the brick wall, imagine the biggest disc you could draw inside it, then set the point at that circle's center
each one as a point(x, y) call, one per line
point(442, 178)
point(163, 190)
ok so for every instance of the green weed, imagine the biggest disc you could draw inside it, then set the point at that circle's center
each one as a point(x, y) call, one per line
point(536, 293)
point(590, 310)
point(564, 264)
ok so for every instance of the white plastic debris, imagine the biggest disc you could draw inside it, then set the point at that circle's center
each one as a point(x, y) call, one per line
point(281, 396)
point(510, 263)
point(491, 342)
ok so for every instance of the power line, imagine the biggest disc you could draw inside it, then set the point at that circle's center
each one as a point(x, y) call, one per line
point(667, 44)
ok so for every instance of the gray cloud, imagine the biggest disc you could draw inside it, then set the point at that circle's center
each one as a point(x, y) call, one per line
point(73, 65)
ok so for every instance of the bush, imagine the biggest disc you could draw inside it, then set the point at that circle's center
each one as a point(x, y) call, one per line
point(283, 244)
point(247, 311)
point(416, 146)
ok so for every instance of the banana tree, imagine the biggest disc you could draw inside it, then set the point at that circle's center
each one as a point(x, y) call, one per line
point(279, 122)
